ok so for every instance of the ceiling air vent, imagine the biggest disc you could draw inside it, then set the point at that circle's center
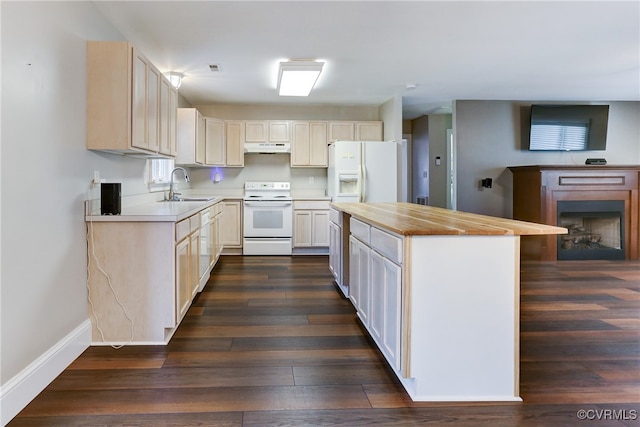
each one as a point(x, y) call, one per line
point(214, 67)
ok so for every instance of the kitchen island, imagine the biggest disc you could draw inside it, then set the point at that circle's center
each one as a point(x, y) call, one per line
point(438, 291)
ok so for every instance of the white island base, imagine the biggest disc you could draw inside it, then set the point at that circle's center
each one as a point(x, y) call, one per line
point(460, 339)
point(439, 293)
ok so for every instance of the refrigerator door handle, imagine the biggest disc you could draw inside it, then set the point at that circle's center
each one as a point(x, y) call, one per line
point(363, 165)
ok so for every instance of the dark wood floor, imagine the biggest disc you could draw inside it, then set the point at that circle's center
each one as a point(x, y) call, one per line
point(270, 342)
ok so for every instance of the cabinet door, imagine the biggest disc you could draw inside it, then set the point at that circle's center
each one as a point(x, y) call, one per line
point(392, 297)
point(300, 149)
point(165, 125)
point(183, 288)
point(376, 324)
point(231, 224)
point(256, 130)
point(369, 131)
point(173, 121)
point(335, 249)
point(200, 139)
point(320, 228)
point(234, 131)
point(215, 150)
point(194, 265)
point(359, 278)
point(318, 144)
point(341, 131)
point(139, 101)
point(153, 108)
point(279, 131)
point(302, 236)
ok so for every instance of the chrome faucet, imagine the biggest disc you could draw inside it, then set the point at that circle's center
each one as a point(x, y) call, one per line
point(173, 195)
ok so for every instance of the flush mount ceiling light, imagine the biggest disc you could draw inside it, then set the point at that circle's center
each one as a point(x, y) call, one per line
point(297, 77)
point(175, 78)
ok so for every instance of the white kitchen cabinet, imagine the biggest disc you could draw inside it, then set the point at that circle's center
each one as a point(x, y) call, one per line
point(309, 144)
point(191, 137)
point(385, 316)
point(231, 226)
point(368, 131)
point(335, 250)
point(168, 118)
point(123, 100)
point(234, 136)
point(215, 146)
point(359, 289)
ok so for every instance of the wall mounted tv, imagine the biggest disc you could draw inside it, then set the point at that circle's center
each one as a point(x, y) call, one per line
point(568, 127)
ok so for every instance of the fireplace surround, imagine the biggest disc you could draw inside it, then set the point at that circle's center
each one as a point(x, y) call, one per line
point(581, 197)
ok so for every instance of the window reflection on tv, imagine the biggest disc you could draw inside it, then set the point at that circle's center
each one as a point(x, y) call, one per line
point(568, 127)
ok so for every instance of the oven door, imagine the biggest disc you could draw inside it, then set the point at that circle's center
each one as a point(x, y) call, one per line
point(268, 218)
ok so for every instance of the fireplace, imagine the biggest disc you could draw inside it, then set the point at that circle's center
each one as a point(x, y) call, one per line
point(596, 229)
point(599, 205)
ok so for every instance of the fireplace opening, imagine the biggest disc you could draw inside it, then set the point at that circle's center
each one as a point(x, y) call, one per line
point(596, 229)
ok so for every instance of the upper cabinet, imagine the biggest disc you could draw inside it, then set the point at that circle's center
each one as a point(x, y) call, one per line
point(355, 131)
point(309, 144)
point(234, 134)
point(126, 111)
point(267, 130)
point(215, 147)
point(191, 137)
point(168, 118)
point(368, 131)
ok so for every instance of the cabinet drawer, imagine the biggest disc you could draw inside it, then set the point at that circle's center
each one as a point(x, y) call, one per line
point(387, 244)
point(183, 229)
point(335, 216)
point(360, 230)
point(194, 222)
point(311, 204)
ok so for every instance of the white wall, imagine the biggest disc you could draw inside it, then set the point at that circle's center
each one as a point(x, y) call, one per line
point(488, 139)
point(45, 175)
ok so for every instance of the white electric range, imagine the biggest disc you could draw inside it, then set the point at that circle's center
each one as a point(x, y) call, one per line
point(268, 218)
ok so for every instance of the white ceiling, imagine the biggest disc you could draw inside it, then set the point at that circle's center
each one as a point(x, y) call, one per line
point(511, 50)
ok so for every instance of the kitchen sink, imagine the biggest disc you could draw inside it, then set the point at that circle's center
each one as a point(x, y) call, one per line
point(190, 199)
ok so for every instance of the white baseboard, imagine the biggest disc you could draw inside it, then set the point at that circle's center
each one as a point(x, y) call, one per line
point(16, 393)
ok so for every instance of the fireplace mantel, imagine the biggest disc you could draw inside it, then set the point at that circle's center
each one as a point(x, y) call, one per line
point(538, 188)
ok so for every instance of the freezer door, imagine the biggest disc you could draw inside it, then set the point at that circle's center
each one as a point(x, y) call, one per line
point(344, 172)
point(380, 171)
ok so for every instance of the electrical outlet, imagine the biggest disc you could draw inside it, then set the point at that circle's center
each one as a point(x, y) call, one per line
point(311, 180)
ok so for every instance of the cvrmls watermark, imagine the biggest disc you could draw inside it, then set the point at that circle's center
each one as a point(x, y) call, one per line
point(607, 414)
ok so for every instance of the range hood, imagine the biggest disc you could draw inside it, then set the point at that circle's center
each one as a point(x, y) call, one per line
point(267, 147)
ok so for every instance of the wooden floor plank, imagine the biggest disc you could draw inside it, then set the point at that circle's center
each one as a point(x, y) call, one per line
point(272, 342)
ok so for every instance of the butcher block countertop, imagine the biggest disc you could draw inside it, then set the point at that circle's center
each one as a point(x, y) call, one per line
point(410, 219)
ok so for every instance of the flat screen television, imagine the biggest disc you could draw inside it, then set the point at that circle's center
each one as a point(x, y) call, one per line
point(568, 127)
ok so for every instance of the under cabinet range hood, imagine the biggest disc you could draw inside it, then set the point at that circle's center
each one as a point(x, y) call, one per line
point(267, 147)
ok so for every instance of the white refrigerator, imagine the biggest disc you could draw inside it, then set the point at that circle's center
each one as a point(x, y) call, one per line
point(364, 171)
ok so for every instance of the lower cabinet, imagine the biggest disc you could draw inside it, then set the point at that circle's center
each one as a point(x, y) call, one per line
point(154, 270)
point(230, 229)
point(359, 292)
point(385, 317)
point(311, 224)
point(375, 286)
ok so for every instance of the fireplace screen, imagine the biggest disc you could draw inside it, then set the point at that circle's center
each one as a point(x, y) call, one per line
point(596, 229)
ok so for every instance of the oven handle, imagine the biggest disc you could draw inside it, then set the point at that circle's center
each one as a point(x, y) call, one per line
point(268, 204)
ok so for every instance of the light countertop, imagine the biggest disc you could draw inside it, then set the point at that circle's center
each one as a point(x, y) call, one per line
point(412, 219)
point(158, 211)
